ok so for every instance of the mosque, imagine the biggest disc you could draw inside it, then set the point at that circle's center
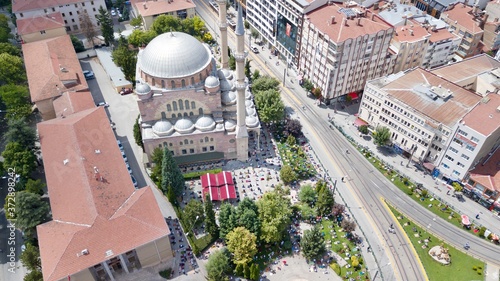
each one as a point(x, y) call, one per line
point(200, 113)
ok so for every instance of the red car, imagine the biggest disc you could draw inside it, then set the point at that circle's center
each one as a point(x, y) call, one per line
point(126, 91)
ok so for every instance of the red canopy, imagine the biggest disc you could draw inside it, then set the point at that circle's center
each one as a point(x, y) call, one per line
point(465, 220)
point(220, 186)
point(359, 122)
point(353, 95)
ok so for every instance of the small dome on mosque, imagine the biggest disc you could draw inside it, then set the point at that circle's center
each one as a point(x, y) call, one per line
point(184, 126)
point(162, 127)
point(228, 98)
point(211, 82)
point(226, 85)
point(225, 74)
point(230, 125)
point(251, 121)
point(250, 111)
point(249, 103)
point(205, 123)
point(248, 95)
point(142, 89)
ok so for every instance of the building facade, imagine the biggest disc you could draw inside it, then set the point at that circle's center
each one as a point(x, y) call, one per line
point(342, 47)
point(71, 11)
point(150, 10)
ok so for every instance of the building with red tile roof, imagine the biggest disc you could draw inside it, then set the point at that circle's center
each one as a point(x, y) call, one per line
point(342, 47)
point(102, 226)
point(52, 68)
point(491, 38)
point(149, 10)
point(41, 27)
point(72, 102)
point(71, 10)
point(484, 180)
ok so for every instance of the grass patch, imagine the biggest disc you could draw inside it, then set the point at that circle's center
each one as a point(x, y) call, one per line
point(198, 174)
point(166, 273)
point(461, 266)
point(297, 159)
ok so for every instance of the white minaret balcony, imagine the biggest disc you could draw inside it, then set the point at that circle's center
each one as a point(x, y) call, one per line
point(223, 25)
point(240, 86)
point(241, 57)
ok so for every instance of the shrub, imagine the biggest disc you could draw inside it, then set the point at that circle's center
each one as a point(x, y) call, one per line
point(363, 129)
point(335, 267)
point(198, 174)
point(482, 230)
point(474, 268)
point(405, 180)
point(424, 193)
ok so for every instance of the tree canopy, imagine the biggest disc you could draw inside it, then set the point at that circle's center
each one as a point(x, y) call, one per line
point(125, 58)
point(313, 244)
point(5, 34)
point(136, 21)
point(381, 136)
point(106, 23)
point(35, 186)
point(31, 211)
point(287, 174)
point(11, 69)
point(140, 37)
point(265, 83)
point(293, 127)
point(247, 216)
point(210, 223)
point(218, 266)
point(10, 49)
point(307, 194)
point(193, 213)
point(19, 131)
point(77, 44)
point(274, 214)
point(20, 158)
point(242, 244)
point(270, 106)
point(171, 174)
point(30, 257)
point(227, 219)
point(325, 201)
point(16, 99)
point(87, 26)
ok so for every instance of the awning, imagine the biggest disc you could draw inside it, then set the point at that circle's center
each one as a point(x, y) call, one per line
point(429, 166)
point(359, 122)
point(353, 96)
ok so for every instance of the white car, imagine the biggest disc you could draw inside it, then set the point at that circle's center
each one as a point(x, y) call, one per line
point(105, 104)
point(113, 13)
point(124, 157)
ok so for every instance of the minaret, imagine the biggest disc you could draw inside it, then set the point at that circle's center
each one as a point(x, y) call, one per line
point(223, 33)
point(239, 56)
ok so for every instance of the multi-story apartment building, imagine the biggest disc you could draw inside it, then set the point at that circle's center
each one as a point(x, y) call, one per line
point(40, 27)
point(478, 134)
point(71, 10)
point(491, 37)
point(441, 48)
point(421, 109)
point(480, 74)
point(436, 7)
point(468, 24)
point(342, 47)
point(150, 10)
point(484, 181)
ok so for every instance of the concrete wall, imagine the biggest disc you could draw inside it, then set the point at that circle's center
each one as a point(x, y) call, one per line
point(83, 275)
point(86, 54)
point(37, 36)
point(46, 109)
point(155, 252)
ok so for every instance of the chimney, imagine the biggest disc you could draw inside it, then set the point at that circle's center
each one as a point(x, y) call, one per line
point(466, 2)
point(373, 16)
point(495, 20)
point(434, 27)
point(359, 21)
point(375, 6)
point(406, 19)
point(145, 6)
point(483, 21)
point(411, 32)
point(332, 20)
point(474, 10)
point(345, 22)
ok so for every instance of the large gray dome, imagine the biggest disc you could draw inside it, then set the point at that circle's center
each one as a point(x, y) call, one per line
point(163, 127)
point(205, 123)
point(184, 126)
point(173, 55)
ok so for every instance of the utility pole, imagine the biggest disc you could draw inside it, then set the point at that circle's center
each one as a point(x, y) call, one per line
point(413, 149)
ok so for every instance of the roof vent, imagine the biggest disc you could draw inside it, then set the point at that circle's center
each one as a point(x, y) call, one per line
point(84, 252)
point(109, 253)
point(96, 170)
point(491, 116)
point(498, 109)
point(97, 151)
point(65, 161)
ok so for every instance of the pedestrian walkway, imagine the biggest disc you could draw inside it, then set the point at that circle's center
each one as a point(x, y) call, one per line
point(492, 273)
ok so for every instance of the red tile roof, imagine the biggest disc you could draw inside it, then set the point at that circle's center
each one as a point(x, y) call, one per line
point(71, 102)
point(339, 32)
point(485, 117)
point(404, 33)
point(441, 35)
point(30, 5)
point(39, 23)
point(488, 173)
point(52, 68)
point(91, 196)
point(463, 16)
point(161, 6)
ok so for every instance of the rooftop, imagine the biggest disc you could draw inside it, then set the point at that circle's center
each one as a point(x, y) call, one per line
point(339, 31)
point(72, 102)
point(441, 35)
point(487, 172)
point(485, 117)
point(463, 16)
point(411, 33)
point(91, 196)
point(419, 89)
point(470, 67)
point(52, 68)
point(39, 23)
point(158, 7)
point(30, 5)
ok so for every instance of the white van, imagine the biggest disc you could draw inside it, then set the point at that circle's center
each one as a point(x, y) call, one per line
point(254, 49)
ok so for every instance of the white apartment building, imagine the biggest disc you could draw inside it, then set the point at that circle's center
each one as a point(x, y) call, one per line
point(441, 48)
point(69, 9)
point(342, 47)
point(477, 137)
point(261, 15)
point(421, 110)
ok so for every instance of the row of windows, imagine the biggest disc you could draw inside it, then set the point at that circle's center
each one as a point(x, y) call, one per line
point(181, 105)
point(461, 143)
point(186, 142)
point(405, 113)
point(455, 172)
point(402, 130)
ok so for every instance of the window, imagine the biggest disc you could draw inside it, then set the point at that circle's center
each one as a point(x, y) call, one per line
point(212, 148)
point(181, 105)
point(42, 31)
point(169, 107)
point(192, 80)
point(174, 104)
point(206, 139)
point(191, 150)
point(91, 2)
point(476, 140)
point(446, 166)
point(76, 6)
point(465, 157)
point(193, 105)
point(462, 133)
point(454, 150)
point(83, 4)
point(172, 84)
point(460, 164)
point(469, 147)
point(70, 13)
point(186, 104)
point(72, 20)
point(61, 14)
point(456, 173)
point(449, 158)
point(204, 149)
point(53, 9)
point(186, 141)
point(45, 10)
point(75, 27)
point(183, 83)
point(184, 151)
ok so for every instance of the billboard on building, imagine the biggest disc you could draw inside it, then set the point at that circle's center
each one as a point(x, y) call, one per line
point(286, 34)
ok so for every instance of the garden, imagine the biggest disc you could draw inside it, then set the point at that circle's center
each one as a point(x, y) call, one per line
point(461, 266)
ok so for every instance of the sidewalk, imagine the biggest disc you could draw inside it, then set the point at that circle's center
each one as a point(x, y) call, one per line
point(491, 273)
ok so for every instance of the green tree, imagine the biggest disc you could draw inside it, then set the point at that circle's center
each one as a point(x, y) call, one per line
point(348, 225)
point(254, 33)
point(10, 49)
point(5, 34)
point(106, 23)
point(138, 134)
point(265, 83)
point(20, 158)
point(166, 23)
point(157, 159)
point(293, 127)
point(456, 187)
point(254, 272)
point(171, 174)
point(255, 75)
point(308, 85)
point(139, 38)
point(231, 62)
point(31, 211)
point(381, 136)
point(247, 216)
point(218, 266)
point(291, 141)
point(19, 131)
point(317, 92)
point(35, 186)
point(307, 194)
point(274, 215)
point(227, 219)
point(325, 201)
point(270, 106)
point(242, 244)
point(77, 44)
point(128, 65)
point(210, 223)
point(16, 99)
point(193, 26)
point(11, 69)
point(87, 26)
point(246, 24)
point(307, 211)
point(363, 129)
point(248, 71)
point(287, 174)
point(193, 213)
point(313, 244)
point(30, 258)
point(135, 22)
point(35, 275)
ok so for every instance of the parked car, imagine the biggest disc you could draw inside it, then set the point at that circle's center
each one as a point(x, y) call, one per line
point(88, 74)
point(113, 13)
point(126, 91)
point(120, 145)
point(124, 157)
point(134, 181)
point(254, 49)
point(102, 103)
point(128, 168)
